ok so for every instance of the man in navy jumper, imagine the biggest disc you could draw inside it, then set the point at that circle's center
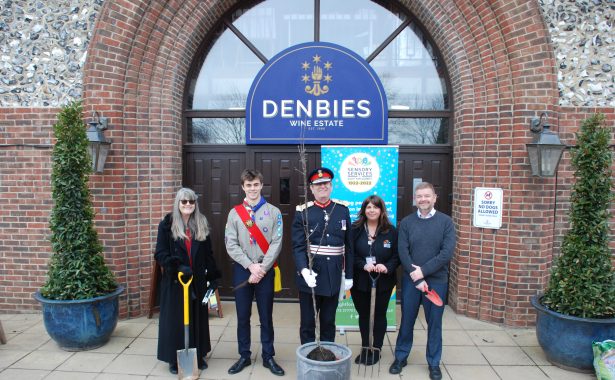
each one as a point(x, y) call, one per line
point(426, 243)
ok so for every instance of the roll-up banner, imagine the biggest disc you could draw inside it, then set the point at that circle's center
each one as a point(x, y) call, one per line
point(360, 171)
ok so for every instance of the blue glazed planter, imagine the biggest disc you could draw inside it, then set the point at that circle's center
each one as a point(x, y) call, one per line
point(81, 324)
point(566, 340)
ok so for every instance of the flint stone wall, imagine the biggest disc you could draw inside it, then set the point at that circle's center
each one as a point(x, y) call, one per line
point(43, 46)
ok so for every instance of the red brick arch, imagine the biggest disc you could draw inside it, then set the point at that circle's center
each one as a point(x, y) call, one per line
point(502, 72)
point(135, 74)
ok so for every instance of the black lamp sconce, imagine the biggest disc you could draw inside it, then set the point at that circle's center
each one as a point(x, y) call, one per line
point(99, 145)
point(545, 150)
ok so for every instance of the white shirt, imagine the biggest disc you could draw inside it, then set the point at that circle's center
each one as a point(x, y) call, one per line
point(431, 213)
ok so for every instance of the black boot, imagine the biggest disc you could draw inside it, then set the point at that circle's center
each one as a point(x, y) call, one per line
point(173, 368)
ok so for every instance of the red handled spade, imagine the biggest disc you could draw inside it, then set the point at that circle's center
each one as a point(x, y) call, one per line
point(431, 295)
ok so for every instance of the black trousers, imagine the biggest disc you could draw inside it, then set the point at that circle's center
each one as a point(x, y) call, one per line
point(362, 302)
point(263, 292)
point(327, 307)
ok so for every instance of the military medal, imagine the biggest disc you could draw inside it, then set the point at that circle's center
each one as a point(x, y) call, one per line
point(249, 223)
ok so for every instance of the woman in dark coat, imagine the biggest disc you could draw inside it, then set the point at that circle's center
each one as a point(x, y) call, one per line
point(375, 255)
point(182, 231)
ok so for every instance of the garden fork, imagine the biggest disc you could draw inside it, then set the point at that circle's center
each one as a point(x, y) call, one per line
point(370, 351)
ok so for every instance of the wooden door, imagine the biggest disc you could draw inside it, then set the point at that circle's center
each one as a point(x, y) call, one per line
point(213, 172)
point(284, 187)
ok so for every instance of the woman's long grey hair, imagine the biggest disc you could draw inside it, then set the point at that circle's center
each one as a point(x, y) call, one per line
point(199, 227)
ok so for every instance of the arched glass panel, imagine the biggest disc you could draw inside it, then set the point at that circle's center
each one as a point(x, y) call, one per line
point(365, 24)
point(406, 62)
point(226, 75)
point(275, 25)
point(410, 73)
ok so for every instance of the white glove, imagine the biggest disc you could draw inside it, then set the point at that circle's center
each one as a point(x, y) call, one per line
point(310, 278)
point(348, 284)
point(422, 286)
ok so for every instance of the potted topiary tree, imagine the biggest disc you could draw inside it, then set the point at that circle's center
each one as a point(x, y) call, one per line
point(80, 298)
point(578, 306)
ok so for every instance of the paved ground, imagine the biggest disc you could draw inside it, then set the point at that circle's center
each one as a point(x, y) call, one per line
point(472, 350)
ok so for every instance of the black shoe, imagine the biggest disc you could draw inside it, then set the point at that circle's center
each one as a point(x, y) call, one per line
point(203, 366)
point(372, 358)
point(397, 365)
point(368, 357)
point(435, 373)
point(273, 367)
point(173, 368)
point(360, 359)
point(239, 365)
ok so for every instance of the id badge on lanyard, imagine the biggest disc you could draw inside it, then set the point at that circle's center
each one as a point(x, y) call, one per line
point(371, 259)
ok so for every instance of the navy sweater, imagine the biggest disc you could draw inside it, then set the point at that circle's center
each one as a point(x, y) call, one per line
point(428, 243)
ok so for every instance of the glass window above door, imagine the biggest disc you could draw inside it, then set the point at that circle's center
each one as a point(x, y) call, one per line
point(382, 32)
point(359, 25)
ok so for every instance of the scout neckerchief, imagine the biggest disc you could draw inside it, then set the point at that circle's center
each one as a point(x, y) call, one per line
point(253, 209)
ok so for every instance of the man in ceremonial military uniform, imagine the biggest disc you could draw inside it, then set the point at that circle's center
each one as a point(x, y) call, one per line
point(326, 222)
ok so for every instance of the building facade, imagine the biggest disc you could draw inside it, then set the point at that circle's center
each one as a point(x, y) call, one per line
point(495, 65)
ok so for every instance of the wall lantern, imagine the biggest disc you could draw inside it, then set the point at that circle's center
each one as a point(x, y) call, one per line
point(545, 150)
point(99, 145)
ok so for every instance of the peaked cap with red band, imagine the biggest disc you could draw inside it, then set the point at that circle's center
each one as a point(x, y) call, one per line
point(320, 175)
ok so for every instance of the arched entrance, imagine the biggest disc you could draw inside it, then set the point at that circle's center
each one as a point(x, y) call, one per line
point(397, 47)
point(141, 64)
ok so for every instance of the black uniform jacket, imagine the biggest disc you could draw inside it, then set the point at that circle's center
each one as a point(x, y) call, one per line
point(337, 234)
point(384, 249)
point(170, 254)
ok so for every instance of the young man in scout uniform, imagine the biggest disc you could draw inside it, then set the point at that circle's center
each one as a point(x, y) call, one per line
point(253, 238)
point(328, 228)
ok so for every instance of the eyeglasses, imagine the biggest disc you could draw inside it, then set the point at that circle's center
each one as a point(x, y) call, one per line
point(184, 201)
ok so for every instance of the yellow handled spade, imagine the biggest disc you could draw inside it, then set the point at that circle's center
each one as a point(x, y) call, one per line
point(187, 367)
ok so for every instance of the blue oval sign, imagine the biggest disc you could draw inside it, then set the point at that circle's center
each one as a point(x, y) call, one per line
point(316, 93)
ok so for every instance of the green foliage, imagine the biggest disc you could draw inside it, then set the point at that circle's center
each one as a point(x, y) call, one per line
point(582, 280)
point(77, 268)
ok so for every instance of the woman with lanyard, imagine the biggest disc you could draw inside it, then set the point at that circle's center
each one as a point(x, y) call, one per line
point(183, 245)
point(375, 260)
